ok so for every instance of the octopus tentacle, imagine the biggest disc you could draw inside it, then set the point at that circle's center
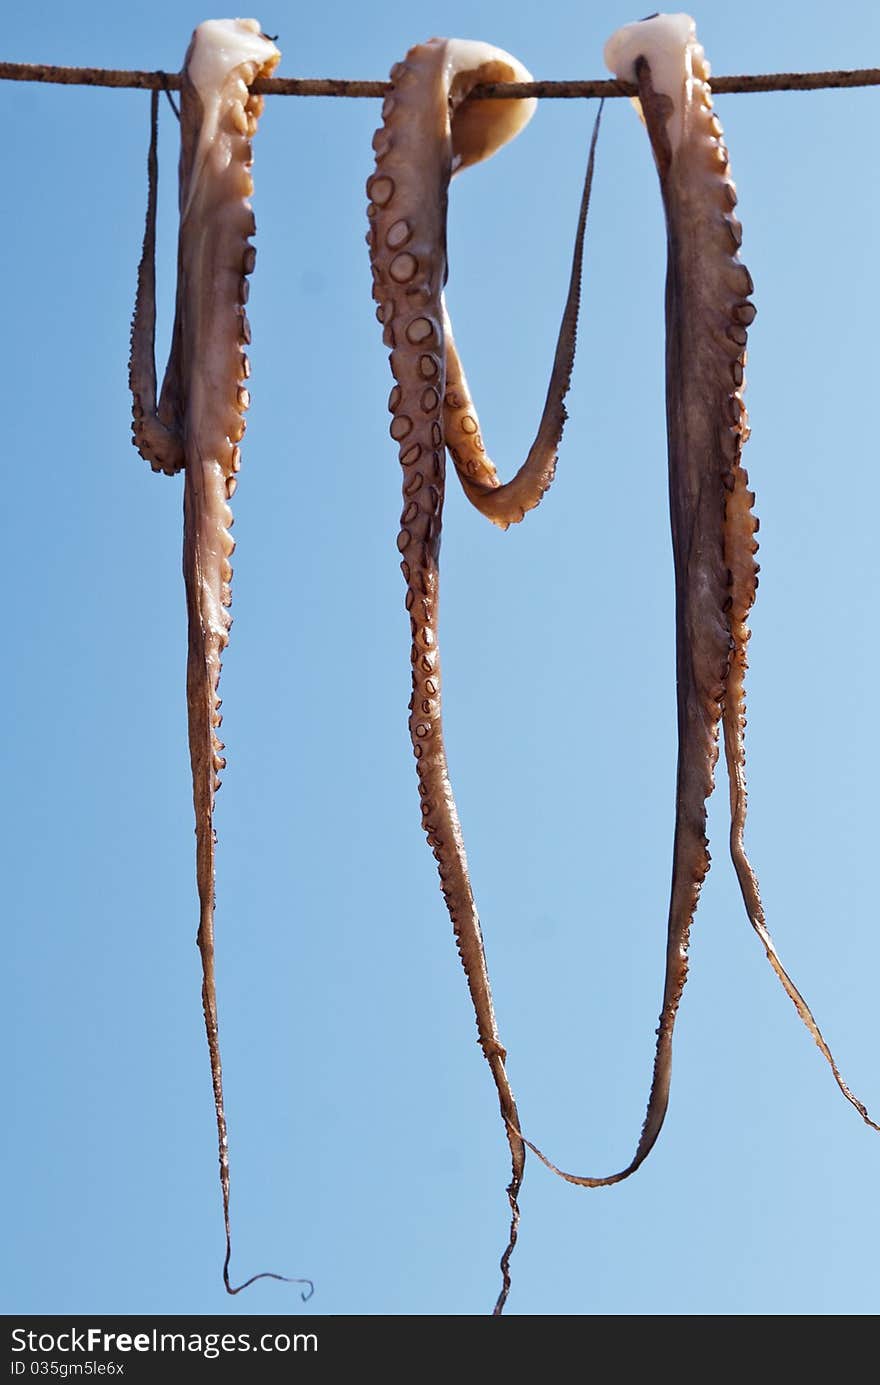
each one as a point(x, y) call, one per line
point(508, 503)
point(202, 404)
point(156, 441)
point(429, 131)
point(218, 118)
point(703, 440)
point(713, 528)
point(740, 548)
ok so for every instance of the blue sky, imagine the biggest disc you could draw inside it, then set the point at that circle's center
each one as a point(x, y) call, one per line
point(366, 1147)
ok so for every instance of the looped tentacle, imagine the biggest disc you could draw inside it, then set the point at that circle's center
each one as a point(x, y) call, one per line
point(508, 503)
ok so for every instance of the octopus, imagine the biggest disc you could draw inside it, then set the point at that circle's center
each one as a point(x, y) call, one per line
point(430, 132)
point(198, 423)
point(708, 312)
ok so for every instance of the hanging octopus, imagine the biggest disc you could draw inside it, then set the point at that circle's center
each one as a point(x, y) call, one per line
point(708, 310)
point(199, 421)
point(430, 132)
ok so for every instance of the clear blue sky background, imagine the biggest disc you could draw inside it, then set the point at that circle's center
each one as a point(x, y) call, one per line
point(366, 1146)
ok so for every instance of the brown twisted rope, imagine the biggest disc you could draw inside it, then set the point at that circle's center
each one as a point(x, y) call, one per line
point(338, 86)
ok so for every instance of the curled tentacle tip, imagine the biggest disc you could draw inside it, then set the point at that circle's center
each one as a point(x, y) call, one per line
point(268, 1274)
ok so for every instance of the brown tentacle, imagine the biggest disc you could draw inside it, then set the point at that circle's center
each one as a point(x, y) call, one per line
point(157, 443)
point(428, 129)
point(701, 443)
point(740, 549)
point(214, 258)
point(508, 503)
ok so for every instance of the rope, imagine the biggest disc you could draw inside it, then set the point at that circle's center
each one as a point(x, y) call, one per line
point(338, 86)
